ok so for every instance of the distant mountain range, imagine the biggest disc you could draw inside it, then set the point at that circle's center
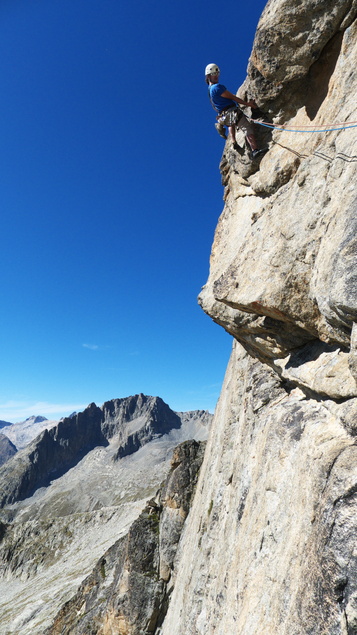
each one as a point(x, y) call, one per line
point(23, 432)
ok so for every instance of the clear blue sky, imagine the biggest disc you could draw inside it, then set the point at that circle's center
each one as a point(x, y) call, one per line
point(110, 194)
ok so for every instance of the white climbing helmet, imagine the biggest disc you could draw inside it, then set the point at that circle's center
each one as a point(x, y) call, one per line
point(212, 69)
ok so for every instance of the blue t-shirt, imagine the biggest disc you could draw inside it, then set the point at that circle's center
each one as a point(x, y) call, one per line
point(217, 101)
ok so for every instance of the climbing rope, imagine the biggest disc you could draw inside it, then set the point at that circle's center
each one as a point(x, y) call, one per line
point(343, 126)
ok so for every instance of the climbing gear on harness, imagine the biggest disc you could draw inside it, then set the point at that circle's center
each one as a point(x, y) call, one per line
point(212, 69)
point(221, 130)
point(227, 108)
point(230, 116)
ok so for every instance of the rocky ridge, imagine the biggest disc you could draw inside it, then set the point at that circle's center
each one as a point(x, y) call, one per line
point(7, 449)
point(133, 421)
point(278, 483)
point(4, 424)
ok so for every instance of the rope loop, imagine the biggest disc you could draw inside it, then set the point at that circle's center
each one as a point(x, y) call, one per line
point(324, 128)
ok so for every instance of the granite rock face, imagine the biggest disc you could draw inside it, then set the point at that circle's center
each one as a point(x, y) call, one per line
point(283, 263)
point(269, 545)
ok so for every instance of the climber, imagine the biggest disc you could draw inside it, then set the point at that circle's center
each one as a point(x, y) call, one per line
point(229, 113)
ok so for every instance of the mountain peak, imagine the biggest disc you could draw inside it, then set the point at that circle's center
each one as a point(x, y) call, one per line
point(35, 419)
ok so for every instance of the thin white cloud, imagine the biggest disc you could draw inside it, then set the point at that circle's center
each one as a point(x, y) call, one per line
point(14, 411)
point(92, 347)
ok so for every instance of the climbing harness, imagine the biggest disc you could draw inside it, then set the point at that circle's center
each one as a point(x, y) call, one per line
point(342, 126)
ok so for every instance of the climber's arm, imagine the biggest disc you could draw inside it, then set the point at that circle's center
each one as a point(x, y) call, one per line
point(228, 95)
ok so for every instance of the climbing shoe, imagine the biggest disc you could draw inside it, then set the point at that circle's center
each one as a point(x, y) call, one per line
point(259, 153)
point(221, 130)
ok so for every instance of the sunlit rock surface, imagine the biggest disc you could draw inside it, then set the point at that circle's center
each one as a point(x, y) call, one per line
point(283, 261)
point(269, 546)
